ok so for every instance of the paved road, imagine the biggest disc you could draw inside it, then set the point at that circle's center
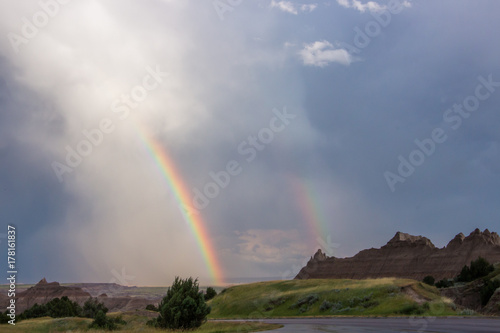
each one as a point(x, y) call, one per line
point(388, 325)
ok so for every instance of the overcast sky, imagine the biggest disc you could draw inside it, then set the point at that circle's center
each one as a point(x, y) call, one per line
point(387, 112)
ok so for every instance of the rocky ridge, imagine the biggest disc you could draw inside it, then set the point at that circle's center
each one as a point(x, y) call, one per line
point(407, 256)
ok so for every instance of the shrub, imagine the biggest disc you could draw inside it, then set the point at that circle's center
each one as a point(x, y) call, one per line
point(337, 306)
point(467, 312)
point(210, 293)
point(102, 322)
point(369, 304)
point(429, 280)
point(307, 300)
point(272, 303)
point(151, 307)
point(411, 309)
point(487, 290)
point(342, 309)
point(444, 284)
point(325, 306)
point(92, 307)
point(183, 307)
point(353, 302)
point(4, 318)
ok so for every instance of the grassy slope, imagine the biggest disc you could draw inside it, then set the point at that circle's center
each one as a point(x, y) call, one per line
point(134, 324)
point(373, 297)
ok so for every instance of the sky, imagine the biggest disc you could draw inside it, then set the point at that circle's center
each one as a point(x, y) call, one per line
point(231, 139)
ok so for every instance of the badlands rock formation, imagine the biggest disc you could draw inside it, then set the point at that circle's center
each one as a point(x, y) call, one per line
point(43, 292)
point(407, 256)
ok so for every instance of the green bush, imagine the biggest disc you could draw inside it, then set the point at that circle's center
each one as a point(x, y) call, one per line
point(183, 307)
point(411, 309)
point(429, 280)
point(326, 305)
point(151, 307)
point(307, 300)
point(92, 307)
point(444, 284)
point(210, 293)
point(487, 290)
point(4, 318)
point(101, 321)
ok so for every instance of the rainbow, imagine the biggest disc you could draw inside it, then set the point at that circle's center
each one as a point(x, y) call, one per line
point(183, 198)
point(311, 210)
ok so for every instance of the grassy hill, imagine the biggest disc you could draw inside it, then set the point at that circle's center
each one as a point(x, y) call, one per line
point(317, 297)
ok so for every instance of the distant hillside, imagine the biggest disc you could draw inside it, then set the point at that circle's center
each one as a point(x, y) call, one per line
point(407, 256)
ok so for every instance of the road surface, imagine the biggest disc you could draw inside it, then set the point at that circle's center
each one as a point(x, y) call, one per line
point(387, 325)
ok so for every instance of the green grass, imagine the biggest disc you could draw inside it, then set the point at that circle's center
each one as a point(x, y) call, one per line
point(135, 323)
point(315, 297)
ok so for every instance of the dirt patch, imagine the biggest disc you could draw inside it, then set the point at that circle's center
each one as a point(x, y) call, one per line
point(408, 290)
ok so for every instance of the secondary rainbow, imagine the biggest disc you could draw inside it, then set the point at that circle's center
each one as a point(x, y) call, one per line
point(182, 195)
point(311, 210)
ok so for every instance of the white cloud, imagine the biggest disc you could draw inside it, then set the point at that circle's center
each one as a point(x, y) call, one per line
point(285, 6)
point(308, 8)
point(289, 7)
point(370, 6)
point(321, 53)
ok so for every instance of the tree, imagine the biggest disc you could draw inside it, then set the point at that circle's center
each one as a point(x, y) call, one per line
point(92, 307)
point(64, 307)
point(210, 293)
point(478, 268)
point(56, 308)
point(429, 280)
point(183, 307)
point(465, 275)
